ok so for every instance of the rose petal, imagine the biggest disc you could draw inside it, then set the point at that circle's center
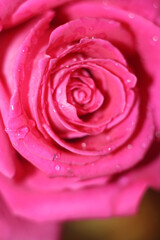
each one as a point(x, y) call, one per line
point(11, 225)
point(149, 9)
point(7, 7)
point(113, 199)
point(7, 153)
point(24, 12)
point(88, 27)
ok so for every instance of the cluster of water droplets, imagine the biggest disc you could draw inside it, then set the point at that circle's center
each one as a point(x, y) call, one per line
point(19, 133)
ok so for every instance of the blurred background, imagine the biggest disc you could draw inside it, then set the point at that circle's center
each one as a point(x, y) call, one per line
point(144, 226)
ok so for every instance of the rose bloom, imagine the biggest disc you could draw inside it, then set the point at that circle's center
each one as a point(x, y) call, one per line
point(79, 111)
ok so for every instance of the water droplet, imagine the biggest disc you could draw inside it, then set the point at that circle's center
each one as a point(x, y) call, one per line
point(69, 46)
point(155, 38)
point(129, 146)
point(56, 156)
point(131, 15)
point(128, 80)
point(12, 107)
point(57, 167)
point(92, 37)
point(14, 144)
point(25, 49)
point(18, 133)
point(67, 66)
point(109, 149)
point(22, 132)
point(83, 145)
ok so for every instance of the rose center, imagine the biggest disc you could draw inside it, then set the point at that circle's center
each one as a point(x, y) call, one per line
point(82, 96)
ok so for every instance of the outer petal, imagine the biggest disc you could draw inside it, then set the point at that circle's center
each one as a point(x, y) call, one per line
point(13, 227)
point(7, 7)
point(109, 200)
point(7, 153)
point(149, 9)
point(31, 8)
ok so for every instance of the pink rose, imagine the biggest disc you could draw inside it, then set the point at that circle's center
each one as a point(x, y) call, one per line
point(79, 103)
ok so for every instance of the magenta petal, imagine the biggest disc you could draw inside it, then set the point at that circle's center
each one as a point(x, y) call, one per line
point(7, 8)
point(149, 9)
point(23, 12)
point(87, 27)
point(20, 228)
point(113, 199)
point(8, 156)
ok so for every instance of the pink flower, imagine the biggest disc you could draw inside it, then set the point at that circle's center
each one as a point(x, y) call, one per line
point(79, 103)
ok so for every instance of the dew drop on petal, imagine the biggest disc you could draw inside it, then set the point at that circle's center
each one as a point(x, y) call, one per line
point(22, 132)
point(12, 107)
point(109, 149)
point(131, 15)
point(128, 80)
point(14, 144)
point(56, 156)
point(25, 49)
point(57, 167)
point(155, 38)
point(83, 145)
